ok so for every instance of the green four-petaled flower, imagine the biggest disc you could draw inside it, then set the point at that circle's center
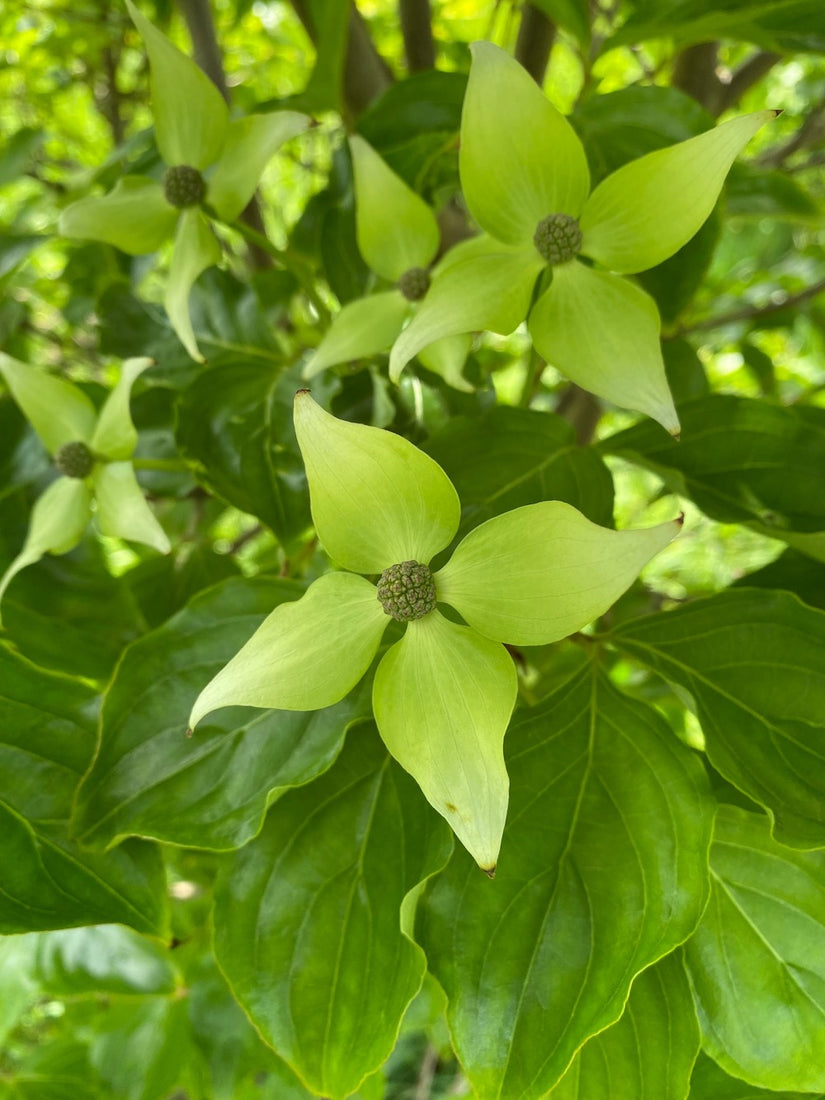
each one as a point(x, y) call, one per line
point(92, 451)
point(211, 159)
point(526, 181)
point(443, 695)
point(398, 237)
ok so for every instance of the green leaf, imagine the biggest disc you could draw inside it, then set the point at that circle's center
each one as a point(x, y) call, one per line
point(250, 144)
point(396, 229)
point(58, 520)
point(191, 118)
point(763, 731)
point(752, 193)
point(710, 1082)
point(520, 159)
point(115, 436)
point(603, 870)
point(19, 986)
point(196, 249)
point(134, 217)
point(482, 290)
point(509, 457)
point(538, 573)
point(122, 510)
point(646, 210)
point(442, 699)
point(52, 1070)
point(446, 358)
point(364, 327)
point(57, 410)
point(741, 460)
point(793, 571)
point(47, 739)
point(141, 1049)
point(103, 959)
point(235, 424)
point(307, 916)
point(306, 654)
point(755, 961)
point(211, 790)
point(376, 499)
point(649, 1053)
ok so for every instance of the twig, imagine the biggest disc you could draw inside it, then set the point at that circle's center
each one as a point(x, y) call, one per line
point(417, 31)
point(747, 313)
point(536, 35)
point(426, 1074)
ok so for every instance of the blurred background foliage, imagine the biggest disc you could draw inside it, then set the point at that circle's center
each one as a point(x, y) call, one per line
point(94, 1012)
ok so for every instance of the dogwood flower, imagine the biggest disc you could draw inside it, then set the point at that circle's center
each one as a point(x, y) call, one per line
point(91, 450)
point(398, 237)
point(443, 694)
point(526, 182)
point(212, 161)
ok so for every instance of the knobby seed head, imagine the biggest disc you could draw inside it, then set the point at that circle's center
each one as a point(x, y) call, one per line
point(558, 238)
point(183, 186)
point(414, 284)
point(74, 460)
point(407, 591)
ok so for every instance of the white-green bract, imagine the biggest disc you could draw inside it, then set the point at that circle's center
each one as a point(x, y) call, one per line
point(443, 695)
point(62, 414)
point(192, 129)
point(521, 162)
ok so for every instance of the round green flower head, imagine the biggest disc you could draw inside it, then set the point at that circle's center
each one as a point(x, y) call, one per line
point(74, 460)
point(558, 238)
point(183, 186)
point(414, 284)
point(407, 591)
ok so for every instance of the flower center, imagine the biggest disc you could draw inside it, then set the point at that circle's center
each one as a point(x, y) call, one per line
point(414, 284)
point(74, 460)
point(183, 186)
point(407, 591)
point(558, 238)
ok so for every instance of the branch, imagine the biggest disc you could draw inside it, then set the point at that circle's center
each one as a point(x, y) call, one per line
point(366, 73)
point(694, 73)
point(535, 40)
point(747, 313)
point(416, 27)
point(198, 16)
point(750, 72)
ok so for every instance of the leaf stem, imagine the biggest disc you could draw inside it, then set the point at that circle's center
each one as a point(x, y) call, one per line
point(531, 379)
point(174, 465)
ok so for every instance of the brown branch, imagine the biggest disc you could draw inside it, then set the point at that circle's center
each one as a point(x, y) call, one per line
point(747, 313)
point(581, 409)
point(201, 26)
point(536, 35)
point(694, 73)
point(417, 31)
point(750, 72)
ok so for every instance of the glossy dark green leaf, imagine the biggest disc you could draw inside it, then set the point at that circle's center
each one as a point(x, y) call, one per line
point(623, 125)
point(210, 790)
point(790, 25)
point(103, 959)
point(672, 284)
point(756, 962)
point(753, 662)
point(603, 870)
point(308, 924)
point(685, 373)
point(649, 1053)
point(710, 1082)
point(741, 460)
point(235, 424)
point(793, 572)
point(47, 738)
point(509, 457)
point(760, 194)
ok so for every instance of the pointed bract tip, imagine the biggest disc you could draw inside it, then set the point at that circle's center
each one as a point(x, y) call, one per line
point(490, 872)
point(189, 731)
point(304, 390)
point(677, 436)
point(777, 111)
point(680, 519)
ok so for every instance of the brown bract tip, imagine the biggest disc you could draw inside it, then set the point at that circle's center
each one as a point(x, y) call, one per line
point(490, 872)
point(304, 390)
point(777, 111)
point(189, 731)
point(680, 519)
